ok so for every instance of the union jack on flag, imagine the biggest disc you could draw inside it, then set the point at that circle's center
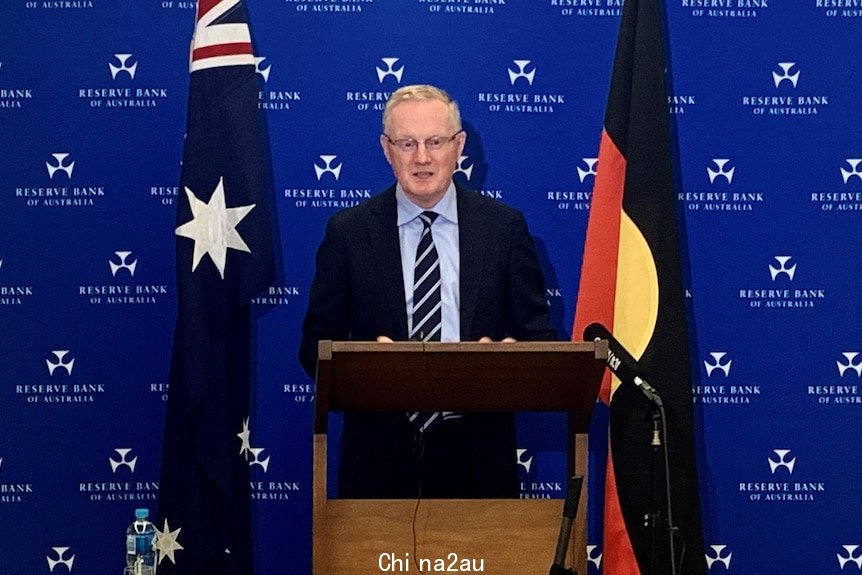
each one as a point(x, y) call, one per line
point(222, 36)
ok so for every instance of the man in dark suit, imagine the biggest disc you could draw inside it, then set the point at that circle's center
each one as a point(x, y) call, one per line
point(488, 286)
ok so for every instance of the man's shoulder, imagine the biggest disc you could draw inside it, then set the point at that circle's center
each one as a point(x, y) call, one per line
point(377, 205)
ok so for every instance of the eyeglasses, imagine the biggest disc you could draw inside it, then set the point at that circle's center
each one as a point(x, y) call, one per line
point(434, 143)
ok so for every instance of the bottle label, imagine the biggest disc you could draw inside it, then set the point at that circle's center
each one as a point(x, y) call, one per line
point(131, 544)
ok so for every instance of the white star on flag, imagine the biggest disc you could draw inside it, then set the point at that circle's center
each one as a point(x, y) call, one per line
point(213, 227)
point(165, 543)
point(245, 437)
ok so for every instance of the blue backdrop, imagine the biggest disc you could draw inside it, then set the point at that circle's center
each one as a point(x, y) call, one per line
point(767, 103)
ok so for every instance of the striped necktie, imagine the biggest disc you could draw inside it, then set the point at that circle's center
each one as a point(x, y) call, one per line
point(427, 306)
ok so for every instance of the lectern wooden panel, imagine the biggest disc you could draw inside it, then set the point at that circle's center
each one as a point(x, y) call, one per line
point(505, 536)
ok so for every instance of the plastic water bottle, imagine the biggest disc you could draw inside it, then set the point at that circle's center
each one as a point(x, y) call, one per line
point(140, 555)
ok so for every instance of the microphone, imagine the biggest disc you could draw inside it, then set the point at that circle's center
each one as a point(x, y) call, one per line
point(621, 362)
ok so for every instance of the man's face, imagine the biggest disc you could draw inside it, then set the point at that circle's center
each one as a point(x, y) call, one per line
point(424, 174)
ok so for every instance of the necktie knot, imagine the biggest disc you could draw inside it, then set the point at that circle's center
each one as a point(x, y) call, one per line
point(428, 218)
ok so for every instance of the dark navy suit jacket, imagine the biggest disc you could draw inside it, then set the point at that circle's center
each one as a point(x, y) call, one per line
point(358, 294)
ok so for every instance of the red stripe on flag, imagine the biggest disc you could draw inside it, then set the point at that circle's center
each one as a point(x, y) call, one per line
point(205, 6)
point(596, 300)
point(619, 556)
point(597, 291)
point(222, 50)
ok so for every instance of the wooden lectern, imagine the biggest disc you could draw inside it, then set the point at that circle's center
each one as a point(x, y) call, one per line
point(510, 536)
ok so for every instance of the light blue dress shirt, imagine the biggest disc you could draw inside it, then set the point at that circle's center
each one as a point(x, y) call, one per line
point(445, 233)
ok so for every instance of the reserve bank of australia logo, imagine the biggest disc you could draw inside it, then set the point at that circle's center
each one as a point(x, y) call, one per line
point(328, 167)
point(854, 170)
point(525, 463)
point(60, 165)
point(591, 164)
point(124, 461)
point(853, 555)
point(61, 362)
point(783, 461)
point(466, 170)
point(716, 362)
point(852, 364)
point(258, 67)
point(718, 554)
point(785, 75)
point(721, 170)
point(124, 66)
point(125, 263)
point(593, 556)
point(61, 559)
point(521, 72)
point(782, 268)
point(388, 69)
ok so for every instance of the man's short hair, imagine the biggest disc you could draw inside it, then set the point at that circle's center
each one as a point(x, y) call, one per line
point(422, 92)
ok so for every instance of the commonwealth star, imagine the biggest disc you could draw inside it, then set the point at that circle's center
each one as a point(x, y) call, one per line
point(213, 227)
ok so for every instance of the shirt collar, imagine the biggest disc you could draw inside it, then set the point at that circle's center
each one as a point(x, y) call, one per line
point(447, 207)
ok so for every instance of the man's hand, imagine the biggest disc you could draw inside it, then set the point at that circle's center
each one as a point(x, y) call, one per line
point(384, 339)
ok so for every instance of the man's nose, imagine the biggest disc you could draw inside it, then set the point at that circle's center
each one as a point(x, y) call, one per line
point(422, 154)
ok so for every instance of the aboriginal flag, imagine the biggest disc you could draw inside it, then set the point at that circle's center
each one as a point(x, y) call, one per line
point(225, 256)
point(631, 282)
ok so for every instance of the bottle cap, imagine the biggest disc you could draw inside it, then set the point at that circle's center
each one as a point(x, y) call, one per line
point(142, 513)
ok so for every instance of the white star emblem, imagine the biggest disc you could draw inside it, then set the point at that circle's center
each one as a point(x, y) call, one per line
point(244, 435)
point(213, 227)
point(165, 543)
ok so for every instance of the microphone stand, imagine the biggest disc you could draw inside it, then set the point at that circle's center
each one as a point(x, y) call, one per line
point(570, 511)
point(659, 440)
point(626, 368)
point(653, 519)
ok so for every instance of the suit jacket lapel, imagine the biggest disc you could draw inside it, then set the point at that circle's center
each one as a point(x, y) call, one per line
point(472, 242)
point(385, 245)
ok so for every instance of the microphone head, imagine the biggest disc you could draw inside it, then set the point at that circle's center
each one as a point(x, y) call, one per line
point(596, 331)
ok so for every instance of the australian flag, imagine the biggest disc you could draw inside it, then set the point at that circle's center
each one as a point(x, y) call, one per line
point(225, 256)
